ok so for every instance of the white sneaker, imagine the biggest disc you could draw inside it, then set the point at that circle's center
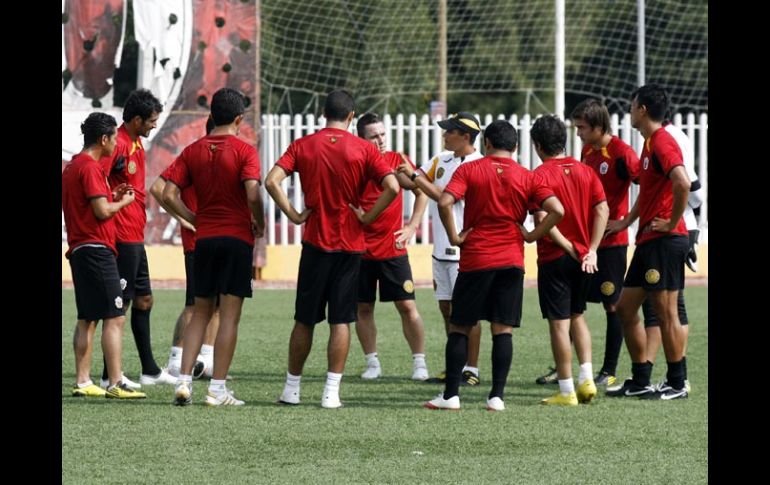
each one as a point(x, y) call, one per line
point(420, 374)
point(439, 402)
point(183, 394)
point(162, 378)
point(289, 397)
point(372, 372)
point(105, 383)
point(495, 404)
point(173, 370)
point(330, 400)
point(226, 398)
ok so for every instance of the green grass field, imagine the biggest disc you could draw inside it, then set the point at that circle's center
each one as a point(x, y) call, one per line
point(382, 435)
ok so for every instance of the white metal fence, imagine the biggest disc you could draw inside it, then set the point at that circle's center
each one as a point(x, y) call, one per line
point(420, 139)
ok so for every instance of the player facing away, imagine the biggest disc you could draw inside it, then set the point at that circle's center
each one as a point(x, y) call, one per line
point(334, 167)
point(386, 262)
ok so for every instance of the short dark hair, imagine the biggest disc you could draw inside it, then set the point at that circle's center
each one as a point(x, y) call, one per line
point(654, 98)
point(593, 112)
point(550, 133)
point(95, 126)
point(226, 105)
point(339, 104)
point(141, 103)
point(365, 120)
point(501, 135)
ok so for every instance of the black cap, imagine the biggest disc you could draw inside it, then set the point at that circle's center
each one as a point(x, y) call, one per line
point(462, 121)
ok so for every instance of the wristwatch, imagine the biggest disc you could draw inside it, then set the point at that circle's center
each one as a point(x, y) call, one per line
point(414, 175)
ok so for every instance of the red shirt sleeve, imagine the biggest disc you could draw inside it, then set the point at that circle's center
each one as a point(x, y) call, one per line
point(94, 182)
point(669, 154)
point(178, 172)
point(458, 184)
point(251, 168)
point(289, 159)
point(632, 164)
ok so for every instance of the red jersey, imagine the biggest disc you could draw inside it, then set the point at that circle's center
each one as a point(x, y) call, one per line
point(334, 167)
point(191, 201)
point(130, 221)
point(216, 167)
point(84, 179)
point(579, 189)
point(380, 241)
point(660, 155)
point(617, 166)
point(497, 193)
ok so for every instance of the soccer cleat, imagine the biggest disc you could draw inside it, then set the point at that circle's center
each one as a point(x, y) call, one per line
point(495, 404)
point(420, 373)
point(183, 394)
point(440, 378)
point(453, 403)
point(665, 392)
point(330, 400)
point(225, 398)
point(89, 391)
point(372, 372)
point(470, 379)
point(199, 369)
point(122, 391)
point(629, 389)
point(289, 397)
point(128, 382)
point(604, 378)
point(586, 391)
point(560, 399)
point(162, 378)
point(548, 378)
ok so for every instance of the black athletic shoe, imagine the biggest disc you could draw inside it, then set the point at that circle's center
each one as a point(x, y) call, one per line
point(629, 389)
point(548, 378)
point(470, 379)
point(664, 392)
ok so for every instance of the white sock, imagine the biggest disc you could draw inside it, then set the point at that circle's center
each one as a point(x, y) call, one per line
point(175, 357)
point(475, 370)
point(207, 353)
point(566, 386)
point(185, 378)
point(85, 384)
point(372, 360)
point(419, 360)
point(292, 381)
point(586, 372)
point(332, 383)
point(217, 386)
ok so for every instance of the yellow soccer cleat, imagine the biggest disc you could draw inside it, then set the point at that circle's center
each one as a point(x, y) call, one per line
point(586, 391)
point(89, 391)
point(122, 391)
point(560, 399)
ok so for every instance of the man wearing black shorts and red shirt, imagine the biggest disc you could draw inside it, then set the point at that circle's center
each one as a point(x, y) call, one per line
point(334, 167)
point(386, 261)
point(657, 268)
point(490, 283)
point(127, 165)
point(566, 259)
point(88, 207)
point(224, 171)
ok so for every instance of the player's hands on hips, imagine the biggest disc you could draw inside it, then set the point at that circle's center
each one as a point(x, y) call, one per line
point(661, 225)
point(300, 217)
point(527, 235)
point(362, 216)
point(460, 238)
point(185, 224)
point(403, 236)
point(614, 225)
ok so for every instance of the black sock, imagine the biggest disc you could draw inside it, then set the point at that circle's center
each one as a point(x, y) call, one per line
point(641, 373)
point(140, 327)
point(456, 355)
point(502, 354)
point(105, 376)
point(613, 343)
point(684, 365)
point(675, 374)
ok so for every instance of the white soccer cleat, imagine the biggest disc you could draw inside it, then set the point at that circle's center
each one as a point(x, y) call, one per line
point(330, 400)
point(495, 404)
point(225, 398)
point(289, 397)
point(420, 374)
point(183, 394)
point(453, 403)
point(372, 372)
point(162, 378)
point(104, 383)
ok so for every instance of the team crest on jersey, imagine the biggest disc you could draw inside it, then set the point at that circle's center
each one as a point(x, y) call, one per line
point(499, 170)
point(652, 276)
point(566, 171)
point(132, 167)
point(440, 172)
point(603, 168)
point(408, 286)
point(646, 162)
point(118, 302)
point(607, 288)
point(333, 139)
point(212, 147)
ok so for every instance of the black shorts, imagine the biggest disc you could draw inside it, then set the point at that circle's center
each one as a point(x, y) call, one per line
point(608, 281)
point(394, 276)
point(327, 278)
point(222, 266)
point(97, 285)
point(659, 264)
point(562, 288)
point(651, 320)
point(494, 295)
point(189, 272)
point(133, 269)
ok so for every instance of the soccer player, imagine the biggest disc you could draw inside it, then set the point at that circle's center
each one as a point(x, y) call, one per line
point(490, 285)
point(386, 261)
point(657, 268)
point(567, 258)
point(127, 165)
point(225, 173)
point(89, 207)
point(461, 132)
point(334, 167)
